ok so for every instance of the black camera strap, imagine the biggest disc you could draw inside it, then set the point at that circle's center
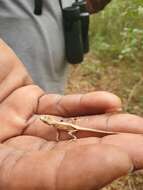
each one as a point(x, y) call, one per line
point(61, 5)
point(38, 7)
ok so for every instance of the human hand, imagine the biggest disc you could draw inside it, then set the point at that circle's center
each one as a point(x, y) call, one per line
point(21, 100)
point(95, 6)
point(12, 72)
point(29, 162)
point(30, 157)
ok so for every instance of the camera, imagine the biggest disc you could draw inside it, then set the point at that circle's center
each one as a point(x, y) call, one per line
point(76, 27)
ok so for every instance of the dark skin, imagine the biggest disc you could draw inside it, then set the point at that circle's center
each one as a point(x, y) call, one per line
point(95, 6)
point(32, 159)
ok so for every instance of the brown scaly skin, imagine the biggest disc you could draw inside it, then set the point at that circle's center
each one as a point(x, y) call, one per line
point(95, 6)
point(29, 156)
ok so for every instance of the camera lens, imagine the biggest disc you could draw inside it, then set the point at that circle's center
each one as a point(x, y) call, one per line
point(73, 36)
point(84, 16)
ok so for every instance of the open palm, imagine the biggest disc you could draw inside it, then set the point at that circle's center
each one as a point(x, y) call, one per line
point(30, 157)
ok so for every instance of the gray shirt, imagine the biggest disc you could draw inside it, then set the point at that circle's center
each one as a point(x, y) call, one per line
point(37, 40)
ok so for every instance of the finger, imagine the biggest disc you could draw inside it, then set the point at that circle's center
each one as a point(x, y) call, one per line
point(81, 104)
point(122, 123)
point(135, 150)
point(82, 175)
point(131, 143)
point(118, 123)
point(50, 132)
point(12, 72)
point(30, 143)
point(64, 169)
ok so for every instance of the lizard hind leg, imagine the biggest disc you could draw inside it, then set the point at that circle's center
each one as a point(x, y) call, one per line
point(58, 135)
point(72, 135)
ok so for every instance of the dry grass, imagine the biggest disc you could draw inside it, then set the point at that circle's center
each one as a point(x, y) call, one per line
point(123, 78)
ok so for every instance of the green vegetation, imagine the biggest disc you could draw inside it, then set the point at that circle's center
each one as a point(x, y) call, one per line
point(117, 32)
point(115, 64)
point(117, 41)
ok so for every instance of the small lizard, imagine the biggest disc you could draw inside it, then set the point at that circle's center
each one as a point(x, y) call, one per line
point(69, 127)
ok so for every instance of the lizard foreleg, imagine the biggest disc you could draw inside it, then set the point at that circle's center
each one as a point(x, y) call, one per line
point(71, 134)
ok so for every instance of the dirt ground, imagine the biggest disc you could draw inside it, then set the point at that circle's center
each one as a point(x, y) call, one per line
point(122, 78)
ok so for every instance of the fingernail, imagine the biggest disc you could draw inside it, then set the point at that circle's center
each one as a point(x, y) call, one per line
point(115, 110)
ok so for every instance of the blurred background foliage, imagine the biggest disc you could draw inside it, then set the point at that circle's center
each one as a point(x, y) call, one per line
point(115, 61)
point(117, 32)
point(115, 64)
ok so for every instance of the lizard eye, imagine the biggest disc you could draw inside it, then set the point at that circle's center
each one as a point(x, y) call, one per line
point(61, 120)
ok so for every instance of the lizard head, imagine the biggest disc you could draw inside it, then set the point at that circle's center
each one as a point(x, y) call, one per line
point(47, 119)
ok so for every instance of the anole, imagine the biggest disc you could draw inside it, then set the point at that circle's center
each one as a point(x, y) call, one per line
point(70, 128)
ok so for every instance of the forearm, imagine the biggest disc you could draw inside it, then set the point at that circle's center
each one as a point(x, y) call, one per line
point(95, 6)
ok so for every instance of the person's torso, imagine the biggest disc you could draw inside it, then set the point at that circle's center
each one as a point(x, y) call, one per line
point(37, 40)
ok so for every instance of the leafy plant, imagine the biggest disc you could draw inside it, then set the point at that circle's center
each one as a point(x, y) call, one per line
point(117, 32)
